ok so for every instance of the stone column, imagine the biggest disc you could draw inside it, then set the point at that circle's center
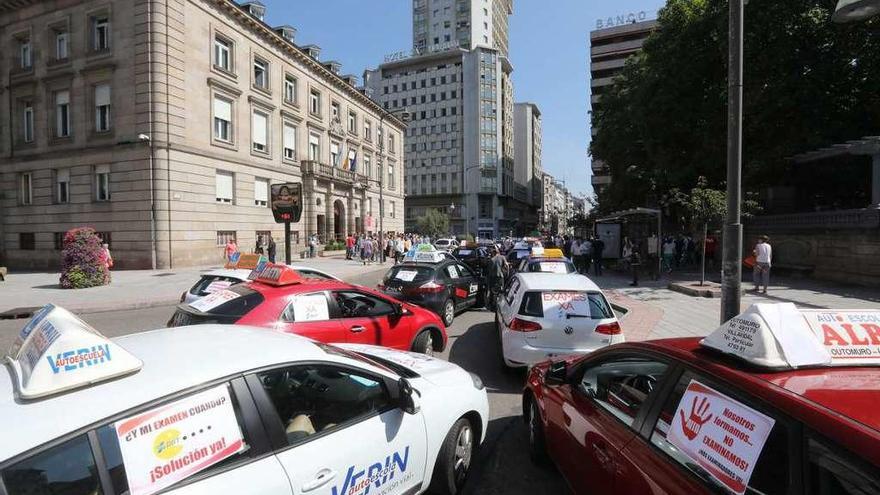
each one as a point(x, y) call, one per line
point(328, 217)
point(349, 213)
point(875, 181)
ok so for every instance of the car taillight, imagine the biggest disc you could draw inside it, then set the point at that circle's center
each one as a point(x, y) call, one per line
point(608, 328)
point(518, 325)
point(429, 288)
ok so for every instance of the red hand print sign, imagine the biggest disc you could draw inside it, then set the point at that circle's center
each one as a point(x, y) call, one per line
point(722, 435)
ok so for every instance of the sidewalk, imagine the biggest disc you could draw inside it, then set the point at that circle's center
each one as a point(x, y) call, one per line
point(655, 312)
point(135, 289)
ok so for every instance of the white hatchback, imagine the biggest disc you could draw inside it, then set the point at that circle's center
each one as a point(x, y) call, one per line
point(223, 409)
point(544, 315)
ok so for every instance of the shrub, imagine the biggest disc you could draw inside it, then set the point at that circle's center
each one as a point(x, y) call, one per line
point(83, 262)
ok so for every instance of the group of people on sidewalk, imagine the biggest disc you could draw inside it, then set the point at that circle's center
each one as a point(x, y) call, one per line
point(367, 248)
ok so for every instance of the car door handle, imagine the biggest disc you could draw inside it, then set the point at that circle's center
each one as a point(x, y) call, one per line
point(357, 329)
point(324, 476)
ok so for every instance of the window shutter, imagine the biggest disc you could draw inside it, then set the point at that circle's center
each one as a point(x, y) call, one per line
point(259, 128)
point(290, 137)
point(224, 185)
point(222, 109)
point(102, 95)
point(62, 98)
point(314, 139)
point(261, 190)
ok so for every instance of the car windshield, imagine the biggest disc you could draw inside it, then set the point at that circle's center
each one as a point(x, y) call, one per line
point(409, 273)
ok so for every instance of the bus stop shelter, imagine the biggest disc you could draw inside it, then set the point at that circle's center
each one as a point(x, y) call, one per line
point(623, 214)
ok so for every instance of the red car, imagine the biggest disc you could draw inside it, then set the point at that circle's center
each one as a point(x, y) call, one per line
point(677, 417)
point(328, 311)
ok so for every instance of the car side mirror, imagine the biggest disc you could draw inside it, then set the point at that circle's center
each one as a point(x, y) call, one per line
point(406, 400)
point(557, 374)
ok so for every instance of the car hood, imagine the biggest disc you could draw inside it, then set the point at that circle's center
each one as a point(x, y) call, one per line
point(436, 371)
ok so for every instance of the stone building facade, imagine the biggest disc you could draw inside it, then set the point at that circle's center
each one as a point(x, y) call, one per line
point(162, 124)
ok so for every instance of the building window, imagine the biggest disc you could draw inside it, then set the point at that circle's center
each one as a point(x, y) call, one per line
point(222, 54)
point(62, 45)
point(259, 132)
point(106, 238)
point(289, 142)
point(26, 189)
point(391, 210)
point(224, 236)
point(315, 102)
point(261, 192)
point(102, 108)
point(290, 89)
point(26, 241)
point(26, 53)
point(261, 74)
point(314, 147)
point(28, 123)
point(368, 130)
point(62, 114)
point(334, 154)
point(391, 143)
point(222, 119)
point(352, 122)
point(62, 185)
point(224, 182)
point(334, 111)
point(100, 33)
point(58, 238)
point(368, 167)
point(391, 182)
point(102, 182)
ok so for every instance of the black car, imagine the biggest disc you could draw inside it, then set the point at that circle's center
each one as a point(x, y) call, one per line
point(446, 287)
point(477, 259)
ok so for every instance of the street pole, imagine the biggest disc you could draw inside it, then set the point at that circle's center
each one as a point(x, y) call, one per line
point(731, 271)
point(286, 243)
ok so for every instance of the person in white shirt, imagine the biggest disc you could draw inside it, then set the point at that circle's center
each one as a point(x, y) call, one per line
point(763, 255)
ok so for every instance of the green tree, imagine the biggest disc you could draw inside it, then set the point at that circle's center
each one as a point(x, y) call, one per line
point(433, 224)
point(808, 83)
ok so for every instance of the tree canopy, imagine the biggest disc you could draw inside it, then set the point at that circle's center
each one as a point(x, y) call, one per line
point(808, 83)
point(433, 224)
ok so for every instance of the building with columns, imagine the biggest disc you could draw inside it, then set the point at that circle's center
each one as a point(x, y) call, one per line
point(163, 124)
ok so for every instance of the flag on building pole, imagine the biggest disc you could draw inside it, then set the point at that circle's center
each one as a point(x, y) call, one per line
point(353, 163)
point(344, 163)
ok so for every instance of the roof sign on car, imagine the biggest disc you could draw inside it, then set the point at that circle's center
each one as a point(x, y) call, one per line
point(551, 252)
point(56, 352)
point(783, 336)
point(245, 261)
point(424, 253)
point(278, 275)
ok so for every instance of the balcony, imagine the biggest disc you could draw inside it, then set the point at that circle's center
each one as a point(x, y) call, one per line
point(328, 172)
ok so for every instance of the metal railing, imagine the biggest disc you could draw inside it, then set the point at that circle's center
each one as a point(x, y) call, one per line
point(329, 172)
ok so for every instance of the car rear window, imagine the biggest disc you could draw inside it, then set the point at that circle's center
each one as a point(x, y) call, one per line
point(534, 302)
point(228, 312)
point(409, 273)
point(551, 266)
point(310, 275)
point(212, 283)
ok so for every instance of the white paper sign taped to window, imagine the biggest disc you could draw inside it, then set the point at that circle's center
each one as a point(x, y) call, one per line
point(565, 305)
point(310, 307)
point(721, 435)
point(553, 267)
point(453, 271)
point(406, 275)
point(217, 286)
point(214, 300)
point(171, 443)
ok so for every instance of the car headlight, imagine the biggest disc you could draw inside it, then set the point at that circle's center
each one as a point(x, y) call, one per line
point(478, 382)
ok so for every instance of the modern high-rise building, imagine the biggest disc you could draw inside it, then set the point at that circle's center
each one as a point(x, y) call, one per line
point(163, 124)
point(527, 152)
point(609, 49)
point(459, 97)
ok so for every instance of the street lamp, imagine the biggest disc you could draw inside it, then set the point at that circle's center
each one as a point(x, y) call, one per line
point(855, 10)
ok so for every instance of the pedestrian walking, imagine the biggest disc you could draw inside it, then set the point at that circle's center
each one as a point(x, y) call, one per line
point(108, 260)
point(349, 247)
point(313, 245)
point(763, 255)
point(598, 249)
point(230, 250)
point(668, 254)
point(635, 263)
point(270, 249)
point(258, 249)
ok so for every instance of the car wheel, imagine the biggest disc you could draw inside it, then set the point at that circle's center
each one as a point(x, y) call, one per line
point(448, 312)
point(424, 343)
point(537, 444)
point(454, 459)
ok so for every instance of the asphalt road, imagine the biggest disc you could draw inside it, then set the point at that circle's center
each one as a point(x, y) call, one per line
point(502, 466)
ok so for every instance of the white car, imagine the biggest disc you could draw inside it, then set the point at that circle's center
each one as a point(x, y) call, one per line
point(218, 280)
point(221, 409)
point(445, 244)
point(544, 315)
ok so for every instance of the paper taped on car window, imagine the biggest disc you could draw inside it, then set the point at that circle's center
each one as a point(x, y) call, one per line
point(310, 307)
point(406, 275)
point(214, 300)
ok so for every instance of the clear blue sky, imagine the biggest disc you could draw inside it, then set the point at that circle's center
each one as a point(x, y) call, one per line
point(549, 50)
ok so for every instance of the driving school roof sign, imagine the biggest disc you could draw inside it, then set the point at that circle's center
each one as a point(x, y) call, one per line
point(782, 336)
point(56, 351)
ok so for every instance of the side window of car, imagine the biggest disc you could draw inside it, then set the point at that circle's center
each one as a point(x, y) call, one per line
point(622, 385)
point(464, 271)
point(311, 399)
point(736, 438)
point(68, 468)
point(306, 307)
point(359, 305)
point(831, 472)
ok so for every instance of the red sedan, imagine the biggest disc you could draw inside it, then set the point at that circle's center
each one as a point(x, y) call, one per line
point(674, 417)
point(324, 310)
